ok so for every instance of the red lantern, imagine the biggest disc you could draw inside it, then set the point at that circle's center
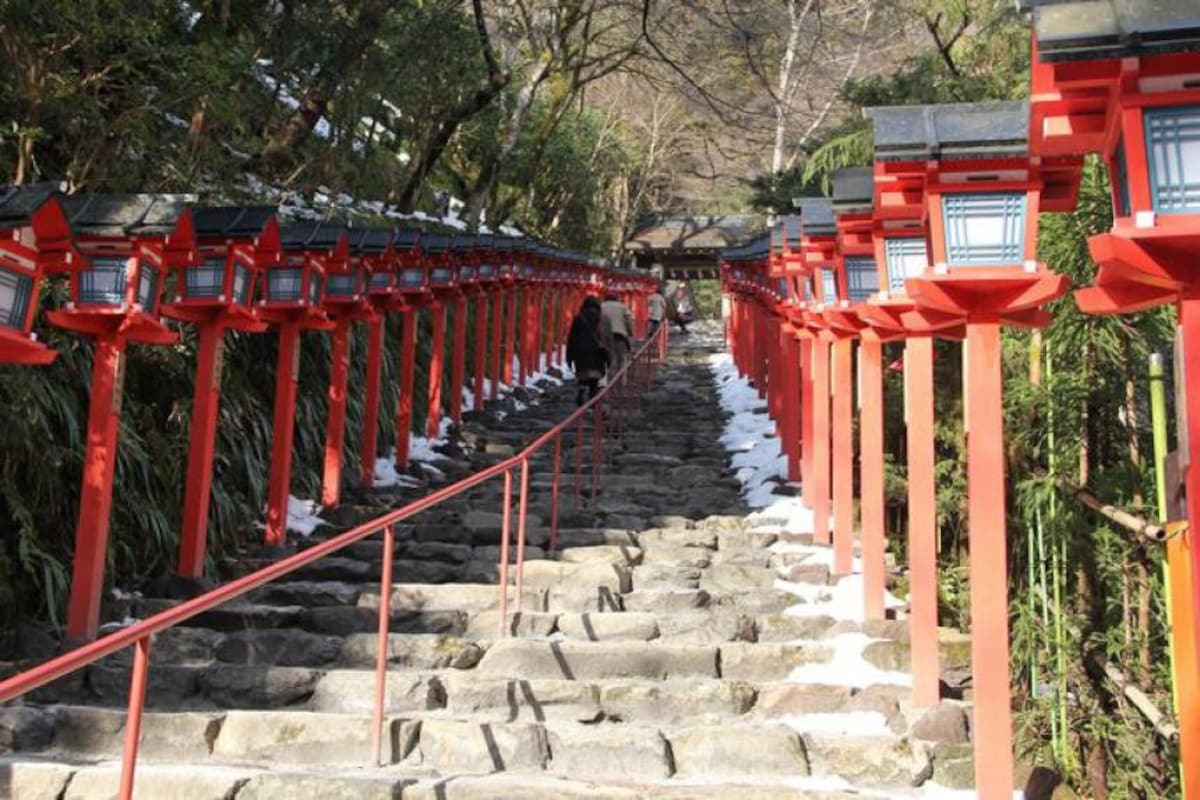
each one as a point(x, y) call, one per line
point(35, 239)
point(130, 242)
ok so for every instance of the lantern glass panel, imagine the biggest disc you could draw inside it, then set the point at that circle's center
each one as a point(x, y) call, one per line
point(413, 276)
point(345, 285)
point(440, 275)
point(828, 286)
point(486, 270)
point(808, 290)
point(314, 290)
point(1173, 145)
point(105, 283)
point(381, 280)
point(861, 278)
point(906, 258)
point(16, 291)
point(781, 283)
point(984, 228)
point(205, 280)
point(243, 284)
point(147, 295)
point(285, 284)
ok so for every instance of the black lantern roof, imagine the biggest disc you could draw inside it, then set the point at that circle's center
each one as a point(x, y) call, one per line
point(311, 236)
point(1088, 30)
point(125, 214)
point(240, 222)
point(756, 249)
point(792, 229)
point(463, 243)
point(854, 190)
point(951, 131)
point(369, 241)
point(435, 243)
point(485, 241)
point(18, 204)
point(406, 238)
point(816, 217)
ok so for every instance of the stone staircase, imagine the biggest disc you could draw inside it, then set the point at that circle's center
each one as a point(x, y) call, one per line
point(655, 655)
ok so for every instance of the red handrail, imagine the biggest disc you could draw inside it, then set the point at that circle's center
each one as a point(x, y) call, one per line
point(138, 635)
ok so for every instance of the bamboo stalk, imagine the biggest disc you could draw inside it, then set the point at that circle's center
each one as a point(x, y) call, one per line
point(1163, 726)
point(1149, 531)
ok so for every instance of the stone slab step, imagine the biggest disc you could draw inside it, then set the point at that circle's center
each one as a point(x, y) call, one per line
point(457, 597)
point(525, 659)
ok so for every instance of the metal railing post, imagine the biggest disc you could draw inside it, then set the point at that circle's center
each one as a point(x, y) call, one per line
point(554, 493)
point(522, 516)
point(133, 718)
point(597, 444)
point(381, 648)
point(505, 526)
point(579, 463)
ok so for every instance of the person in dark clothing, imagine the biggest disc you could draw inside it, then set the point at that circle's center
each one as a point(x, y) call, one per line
point(586, 354)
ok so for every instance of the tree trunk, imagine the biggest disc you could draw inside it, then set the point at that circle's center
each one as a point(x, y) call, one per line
point(490, 171)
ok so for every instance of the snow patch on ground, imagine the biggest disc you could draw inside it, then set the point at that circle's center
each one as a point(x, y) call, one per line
point(386, 475)
point(750, 435)
point(847, 667)
point(302, 516)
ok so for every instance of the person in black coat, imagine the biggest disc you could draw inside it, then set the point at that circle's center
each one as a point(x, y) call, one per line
point(586, 354)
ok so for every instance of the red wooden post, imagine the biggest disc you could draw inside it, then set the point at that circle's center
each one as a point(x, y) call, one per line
point(510, 337)
point(922, 520)
point(481, 348)
point(870, 353)
point(374, 379)
point(497, 343)
point(843, 456)
point(287, 373)
point(95, 500)
point(791, 394)
point(335, 430)
point(807, 441)
point(989, 559)
point(202, 437)
point(821, 441)
point(404, 404)
point(433, 413)
point(458, 365)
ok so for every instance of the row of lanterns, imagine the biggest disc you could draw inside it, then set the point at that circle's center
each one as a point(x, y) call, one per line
point(938, 239)
point(133, 260)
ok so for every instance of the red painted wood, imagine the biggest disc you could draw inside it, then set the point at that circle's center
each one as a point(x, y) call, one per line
point(95, 500)
point(821, 440)
point(433, 410)
point(404, 403)
point(843, 456)
point(870, 425)
point(287, 368)
point(989, 562)
point(202, 437)
point(922, 520)
point(510, 337)
point(481, 350)
point(807, 441)
point(335, 429)
point(458, 364)
point(497, 343)
point(374, 380)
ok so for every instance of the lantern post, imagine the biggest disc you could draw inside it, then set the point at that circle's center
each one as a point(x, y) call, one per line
point(983, 193)
point(444, 285)
point(466, 259)
point(856, 281)
point(292, 302)
point(384, 295)
point(504, 247)
point(35, 239)
point(485, 274)
point(818, 247)
point(414, 292)
point(794, 335)
point(511, 274)
point(900, 230)
point(1130, 94)
point(130, 242)
point(347, 300)
point(216, 294)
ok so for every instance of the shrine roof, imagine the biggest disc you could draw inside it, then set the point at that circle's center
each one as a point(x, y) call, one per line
point(816, 216)
point(311, 235)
